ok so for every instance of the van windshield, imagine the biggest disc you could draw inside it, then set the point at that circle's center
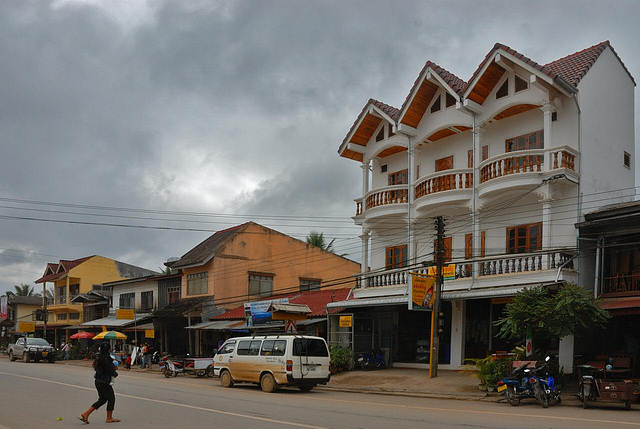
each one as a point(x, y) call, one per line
point(310, 347)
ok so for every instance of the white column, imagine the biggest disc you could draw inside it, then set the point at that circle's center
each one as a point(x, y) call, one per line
point(565, 354)
point(457, 333)
point(546, 231)
point(365, 177)
point(475, 212)
point(365, 250)
point(547, 110)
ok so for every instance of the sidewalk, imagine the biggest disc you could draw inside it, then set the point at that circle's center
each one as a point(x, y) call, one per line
point(410, 382)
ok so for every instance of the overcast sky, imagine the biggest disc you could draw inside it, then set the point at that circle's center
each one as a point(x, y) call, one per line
point(226, 107)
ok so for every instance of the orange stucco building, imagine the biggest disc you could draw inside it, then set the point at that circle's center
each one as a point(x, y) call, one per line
point(250, 261)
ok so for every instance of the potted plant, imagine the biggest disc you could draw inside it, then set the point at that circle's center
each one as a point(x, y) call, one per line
point(340, 359)
point(489, 370)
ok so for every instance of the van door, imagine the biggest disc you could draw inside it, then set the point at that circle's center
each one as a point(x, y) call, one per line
point(224, 357)
point(248, 365)
point(273, 356)
point(310, 358)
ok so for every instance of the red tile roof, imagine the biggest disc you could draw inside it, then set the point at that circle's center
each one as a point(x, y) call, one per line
point(573, 67)
point(391, 111)
point(66, 264)
point(457, 84)
point(317, 301)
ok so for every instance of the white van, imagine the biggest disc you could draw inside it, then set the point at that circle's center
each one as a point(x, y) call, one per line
point(273, 361)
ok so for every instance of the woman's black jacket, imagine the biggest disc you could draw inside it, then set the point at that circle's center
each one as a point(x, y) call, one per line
point(104, 369)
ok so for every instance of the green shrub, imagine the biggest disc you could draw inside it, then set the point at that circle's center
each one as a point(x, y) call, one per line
point(340, 358)
point(490, 370)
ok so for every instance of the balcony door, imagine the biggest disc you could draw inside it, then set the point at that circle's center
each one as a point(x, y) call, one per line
point(444, 182)
point(396, 257)
point(524, 238)
point(448, 249)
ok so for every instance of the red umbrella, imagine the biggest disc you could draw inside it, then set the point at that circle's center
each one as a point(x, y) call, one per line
point(82, 334)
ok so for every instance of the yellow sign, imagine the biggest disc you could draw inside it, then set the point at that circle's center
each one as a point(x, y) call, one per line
point(448, 272)
point(502, 300)
point(26, 327)
point(125, 314)
point(149, 333)
point(346, 321)
point(422, 293)
point(104, 328)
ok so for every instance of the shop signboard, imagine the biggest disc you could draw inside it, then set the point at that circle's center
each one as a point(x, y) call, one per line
point(346, 321)
point(258, 310)
point(448, 272)
point(125, 314)
point(149, 333)
point(26, 327)
point(422, 292)
point(3, 307)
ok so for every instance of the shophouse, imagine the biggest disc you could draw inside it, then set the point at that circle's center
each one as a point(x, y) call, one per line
point(246, 263)
point(510, 159)
point(70, 278)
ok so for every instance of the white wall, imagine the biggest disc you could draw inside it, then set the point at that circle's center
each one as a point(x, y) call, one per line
point(137, 288)
point(606, 97)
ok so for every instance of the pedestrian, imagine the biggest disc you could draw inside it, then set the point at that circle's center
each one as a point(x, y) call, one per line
point(105, 375)
point(67, 351)
point(127, 362)
point(143, 356)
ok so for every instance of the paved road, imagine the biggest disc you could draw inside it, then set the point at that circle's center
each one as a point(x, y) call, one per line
point(34, 395)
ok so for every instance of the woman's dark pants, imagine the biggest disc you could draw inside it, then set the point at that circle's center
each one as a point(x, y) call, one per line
point(105, 396)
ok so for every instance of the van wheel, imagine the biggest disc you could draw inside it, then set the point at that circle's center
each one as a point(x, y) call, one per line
point(225, 379)
point(268, 383)
point(306, 388)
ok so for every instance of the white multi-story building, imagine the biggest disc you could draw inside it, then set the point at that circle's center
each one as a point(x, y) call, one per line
point(511, 159)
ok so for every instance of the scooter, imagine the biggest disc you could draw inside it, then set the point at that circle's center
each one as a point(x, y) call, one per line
point(375, 359)
point(545, 388)
point(517, 386)
point(172, 368)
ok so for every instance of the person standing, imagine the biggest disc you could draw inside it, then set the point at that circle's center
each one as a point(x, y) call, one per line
point(104, 377)
point(67, 351)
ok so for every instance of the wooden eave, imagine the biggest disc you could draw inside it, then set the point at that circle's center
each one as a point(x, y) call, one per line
point(419, 103)
point(514, 110)
point(483, 86)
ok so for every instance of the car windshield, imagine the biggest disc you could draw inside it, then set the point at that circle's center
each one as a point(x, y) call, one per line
point(37, 342)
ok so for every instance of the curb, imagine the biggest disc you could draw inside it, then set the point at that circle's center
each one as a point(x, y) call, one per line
point(413, 394)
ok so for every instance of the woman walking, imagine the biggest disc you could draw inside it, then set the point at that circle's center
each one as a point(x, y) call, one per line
point(105, 374)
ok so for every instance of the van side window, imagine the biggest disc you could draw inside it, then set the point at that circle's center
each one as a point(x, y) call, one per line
point(227, 348)
point(273, 347)
point(243, 348)
point(254, 348)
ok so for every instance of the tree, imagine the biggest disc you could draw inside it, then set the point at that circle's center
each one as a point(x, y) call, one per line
point(557, 315)
point(165, 270)
point(316, 239)
point(24, 290)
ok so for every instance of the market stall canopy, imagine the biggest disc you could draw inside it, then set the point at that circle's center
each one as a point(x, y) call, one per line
point(110, 335)
point(82, 334)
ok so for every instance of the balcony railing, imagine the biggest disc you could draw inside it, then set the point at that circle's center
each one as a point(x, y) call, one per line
point(527, 161)
point(395, 194)
point(446, 180)
point(489, 266)
point(61, 299)
point(622, 284)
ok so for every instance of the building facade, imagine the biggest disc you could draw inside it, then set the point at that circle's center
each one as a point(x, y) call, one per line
point(510, 159)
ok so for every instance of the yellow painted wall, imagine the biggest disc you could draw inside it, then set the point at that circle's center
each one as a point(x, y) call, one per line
point(262, 250)
point(24, 312)
point(95, 270)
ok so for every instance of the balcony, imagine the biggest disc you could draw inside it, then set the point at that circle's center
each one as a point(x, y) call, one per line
point(621, 285)
point(61, 299)
point(444, 187)
point(501, 266)
point(390, 200)
point(526, 168)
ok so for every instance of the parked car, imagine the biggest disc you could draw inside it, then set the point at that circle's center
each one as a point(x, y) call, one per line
point(35, 349)
point(274, 361)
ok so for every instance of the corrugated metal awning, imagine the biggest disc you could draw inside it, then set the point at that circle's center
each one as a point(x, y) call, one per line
point(217, 325)
point(112, 321)
point(370, 302)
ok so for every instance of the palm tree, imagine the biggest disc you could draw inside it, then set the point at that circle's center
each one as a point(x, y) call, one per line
point(316, 239)
point(24, 290)
point(165, 270)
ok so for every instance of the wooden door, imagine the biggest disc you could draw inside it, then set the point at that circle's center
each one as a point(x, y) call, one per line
point(448, 249)
point(444, 163)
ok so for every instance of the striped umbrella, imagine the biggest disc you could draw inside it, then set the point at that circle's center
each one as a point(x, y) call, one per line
point(110, 335)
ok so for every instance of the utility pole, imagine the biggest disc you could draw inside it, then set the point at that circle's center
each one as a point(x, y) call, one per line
point(45, 313)
point(435, 325)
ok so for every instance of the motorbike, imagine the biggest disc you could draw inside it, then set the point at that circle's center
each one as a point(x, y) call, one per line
point(593, 388)
point(368, 361)
point(525, 382)
point(545, 388)
point(172, 368)
point(517, 385)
